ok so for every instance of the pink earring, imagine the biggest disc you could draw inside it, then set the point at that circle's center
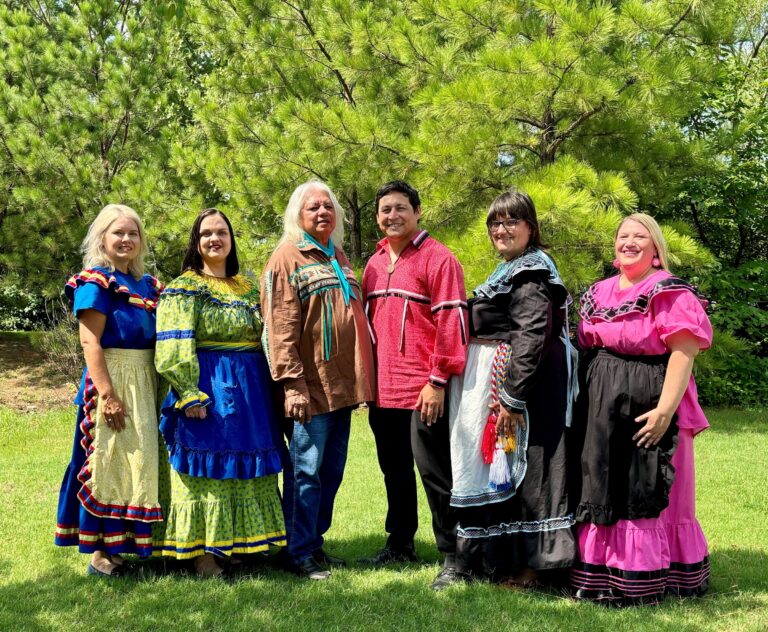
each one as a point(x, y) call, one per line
point(616, 263)
point(656, 262)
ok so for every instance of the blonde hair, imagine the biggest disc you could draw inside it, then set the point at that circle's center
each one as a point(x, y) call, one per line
point(654, 230)
point(292, 230)
point(93, 244)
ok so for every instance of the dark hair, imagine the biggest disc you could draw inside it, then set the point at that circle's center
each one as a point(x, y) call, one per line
point(398, 186)
point(193, 260)
point(516, 205)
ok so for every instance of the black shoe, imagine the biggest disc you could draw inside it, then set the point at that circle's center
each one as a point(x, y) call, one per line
point(310, 569)
point(389, 555)
point(449, 576)
point(322, 558)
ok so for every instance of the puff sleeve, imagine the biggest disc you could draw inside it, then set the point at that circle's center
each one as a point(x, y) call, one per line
point(681, 310)
point(89, 289)
point(175, 353)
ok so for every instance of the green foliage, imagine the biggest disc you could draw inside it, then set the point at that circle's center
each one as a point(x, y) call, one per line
point(300, 91)
point(60, 344)
point(720, 188)
point(735, 370)
point(579, 210)
point(20, 309)
point(729, 374)
point(464, 99)
point(541, 80)
point(88, 99)
point(724, 192)
point(740, 298)
point(594, 108)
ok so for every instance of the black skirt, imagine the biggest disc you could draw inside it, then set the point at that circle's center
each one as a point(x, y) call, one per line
point(620, 480)
point(534, 528)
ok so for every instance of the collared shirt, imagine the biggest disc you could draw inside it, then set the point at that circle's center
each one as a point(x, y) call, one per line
point(419, 318)
point(316, 345)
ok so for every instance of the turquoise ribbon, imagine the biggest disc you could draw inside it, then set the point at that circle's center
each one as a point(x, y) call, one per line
point(330, 252)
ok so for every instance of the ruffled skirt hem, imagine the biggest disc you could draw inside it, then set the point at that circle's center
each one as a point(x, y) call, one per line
point(614, 586)
point(225, 464)
point(222, 517)
point(637, 562)
point(115, 537)
point(500, 551)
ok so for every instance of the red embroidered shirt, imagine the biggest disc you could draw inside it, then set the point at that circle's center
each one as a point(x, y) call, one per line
point(419, 319)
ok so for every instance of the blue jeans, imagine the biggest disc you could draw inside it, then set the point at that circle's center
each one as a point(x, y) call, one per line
point(318, 454)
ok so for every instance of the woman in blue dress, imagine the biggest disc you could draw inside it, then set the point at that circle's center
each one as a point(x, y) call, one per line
point(218, 419)
point(109, 496)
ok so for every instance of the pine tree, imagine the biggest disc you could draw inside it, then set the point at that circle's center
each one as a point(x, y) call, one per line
point(464, 98)
point(535, 89)
point(89, 100)
point(299, 90)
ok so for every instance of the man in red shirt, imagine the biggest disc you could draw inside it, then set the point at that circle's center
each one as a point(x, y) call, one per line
point(416, 303)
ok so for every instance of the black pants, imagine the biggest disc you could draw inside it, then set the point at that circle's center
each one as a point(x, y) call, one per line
point(401, 437)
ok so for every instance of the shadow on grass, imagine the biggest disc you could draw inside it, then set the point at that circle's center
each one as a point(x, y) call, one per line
point(732, 421)
point(739, 570)
point(352, 549)
point(354, 598)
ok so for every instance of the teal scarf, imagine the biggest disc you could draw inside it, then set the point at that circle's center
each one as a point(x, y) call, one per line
point(330, 252)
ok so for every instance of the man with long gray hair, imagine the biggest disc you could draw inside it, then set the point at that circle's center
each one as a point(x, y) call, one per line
point(317, 343)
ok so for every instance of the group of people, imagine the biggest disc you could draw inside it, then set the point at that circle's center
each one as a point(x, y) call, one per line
point(535, 459)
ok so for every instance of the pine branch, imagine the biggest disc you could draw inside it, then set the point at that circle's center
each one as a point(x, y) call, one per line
point(306, 168)
point(345, 88)
point(419, 55)
point(673, 28)
point(106, 145)
point(349, 140)
point(755, 52)
point(385, 55)
point(521, 146)
point(526, 121)
point(40, 14)
point(287, 85)
point(9, 153)
point(585, 116)
point(488, 27)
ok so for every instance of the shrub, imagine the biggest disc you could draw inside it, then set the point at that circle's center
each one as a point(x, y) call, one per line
point(735, 370)
point(60, 344)
point(729, 374)
point(20, 310)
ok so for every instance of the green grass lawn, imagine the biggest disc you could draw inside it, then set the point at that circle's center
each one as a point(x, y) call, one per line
point(44, 588)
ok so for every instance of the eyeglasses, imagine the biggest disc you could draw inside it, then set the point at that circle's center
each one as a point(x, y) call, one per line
point(328, 206)
point(508, 224)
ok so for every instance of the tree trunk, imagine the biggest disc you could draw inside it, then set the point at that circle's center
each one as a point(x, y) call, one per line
point(355, 233)
point(547, 143)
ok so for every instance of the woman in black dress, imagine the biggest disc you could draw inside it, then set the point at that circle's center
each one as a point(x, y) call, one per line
point(510, 408)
